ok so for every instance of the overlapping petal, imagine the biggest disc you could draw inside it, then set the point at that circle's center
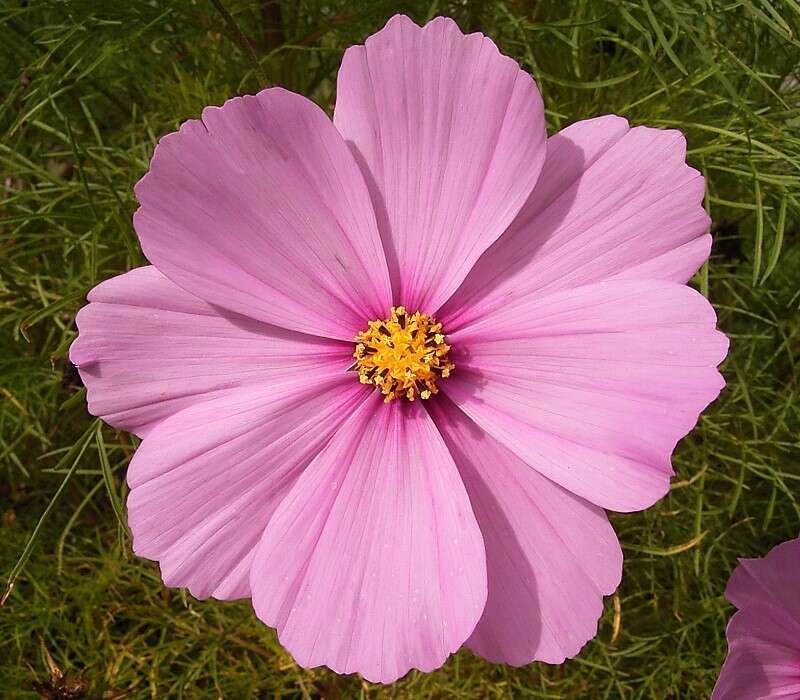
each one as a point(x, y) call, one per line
point(260, 208)
point(764, 634)
point(757, 670)
point(774, 578)
point(206, 481)
point(148, 349)
point(374, 562)
point(550, 555)
point(611, 202)
point(593, 386)
point(450, 135)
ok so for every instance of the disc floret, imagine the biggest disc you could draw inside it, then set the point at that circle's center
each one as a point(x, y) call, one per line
point(403, 355)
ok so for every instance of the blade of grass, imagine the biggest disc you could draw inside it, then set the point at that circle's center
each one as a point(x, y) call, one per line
point(75, 454)
point(777, 244)
point(108, 478)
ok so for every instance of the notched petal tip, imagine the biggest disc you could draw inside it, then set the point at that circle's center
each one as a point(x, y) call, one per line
point(447, 25)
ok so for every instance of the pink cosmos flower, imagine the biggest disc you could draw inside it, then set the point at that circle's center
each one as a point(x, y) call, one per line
point(764, 634)
point(527, 356)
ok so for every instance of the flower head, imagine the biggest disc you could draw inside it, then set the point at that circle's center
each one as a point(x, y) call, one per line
point(390, 369)
point(764, 634)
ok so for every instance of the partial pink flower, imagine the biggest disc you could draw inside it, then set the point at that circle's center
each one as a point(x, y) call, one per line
point(390, 369)
point(764, 634)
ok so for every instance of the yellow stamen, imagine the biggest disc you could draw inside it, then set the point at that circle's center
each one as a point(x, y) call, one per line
point(403, 355)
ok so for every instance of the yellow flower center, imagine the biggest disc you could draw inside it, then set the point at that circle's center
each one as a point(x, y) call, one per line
point(403, 355)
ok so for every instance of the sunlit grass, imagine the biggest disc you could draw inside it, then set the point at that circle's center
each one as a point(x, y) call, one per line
point(88, 87)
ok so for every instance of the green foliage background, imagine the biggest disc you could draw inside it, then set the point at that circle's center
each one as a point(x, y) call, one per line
point(87, 89)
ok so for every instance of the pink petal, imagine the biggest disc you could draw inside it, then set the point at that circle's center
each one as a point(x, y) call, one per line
point(206, 481)
point(550, 555)
point(147, 349)
point(374, 562)
point(764, 635)
point(611, 201)
point(261, 209)
point(775, 577)
point(593, 386)
point(757, 670)
point(767, 621)
point(450, 135)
